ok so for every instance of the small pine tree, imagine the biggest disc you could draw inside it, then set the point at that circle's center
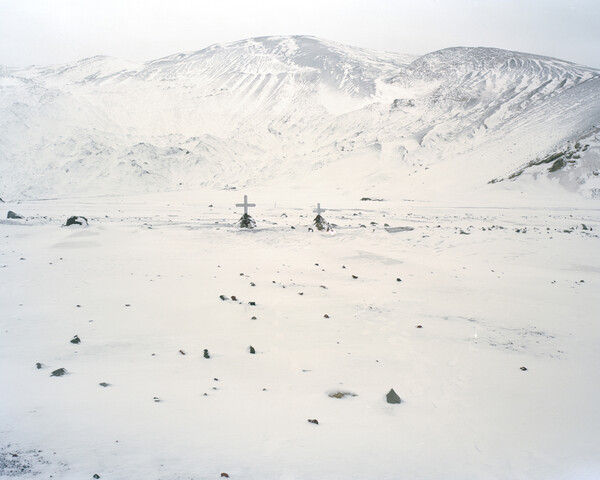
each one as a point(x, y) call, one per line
point(246, 221)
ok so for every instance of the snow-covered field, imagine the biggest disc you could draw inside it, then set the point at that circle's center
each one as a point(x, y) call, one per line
point(446, 314)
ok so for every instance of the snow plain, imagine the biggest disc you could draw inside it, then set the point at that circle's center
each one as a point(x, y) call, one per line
point(483, 167)
point(494, 288)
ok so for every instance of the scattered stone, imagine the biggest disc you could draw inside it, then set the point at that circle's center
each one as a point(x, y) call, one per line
point(234, 298)
point(252, 350)
point(419, 326)
point(462, 232)
point(342, 394)
point(224, 475)
point(75, 220)
point(75, 340)
point(206, 354)
point(253, 318)
point(313, 420)
point(13, 215)
point(355, 276)
point(38, 365)
point(252, 304)
point(252, 284)
point(300, 293)
point(325, 316)
point(182, 352)
point(156, 399)
point(59, 372)
point(392, 397)
point(128, 304)
point(398, 279)
point(96, 476)
point(524, 369)
point(104, 384)
point(223, 297)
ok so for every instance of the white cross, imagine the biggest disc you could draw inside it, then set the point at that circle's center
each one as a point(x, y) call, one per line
point(245, 204)
point(318, 209)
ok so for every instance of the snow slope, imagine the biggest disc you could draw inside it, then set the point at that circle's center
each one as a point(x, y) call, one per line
point(291, 110)
point(493, 289)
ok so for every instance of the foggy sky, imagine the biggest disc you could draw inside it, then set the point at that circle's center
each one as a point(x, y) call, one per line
point(57, 31)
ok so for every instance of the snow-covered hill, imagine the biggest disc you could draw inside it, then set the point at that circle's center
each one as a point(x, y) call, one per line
point(300, 111)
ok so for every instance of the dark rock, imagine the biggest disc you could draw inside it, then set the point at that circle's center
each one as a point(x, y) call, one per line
point(75, 220)
point(246, 221)
point(252, 304)
point(234, 298)
point(96, 476)
point(252, 350)
point(392, 397)
point(59, 372)
point(206, 354)
point(398, 279)
point(38, 365)
point(104, 384)
point(156, 399)
point(313, 420)
point(75, 340)
point(252, 284)
point(223, 297)
point(524, 369)
point(355, 276)
point(13, 215)
point(342, 394)
point(224, 475)
point(419, 326)
point(253, 318)
point(182, 352)
point(325, 316)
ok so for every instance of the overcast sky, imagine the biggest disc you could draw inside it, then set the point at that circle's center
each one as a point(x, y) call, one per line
point(57, 31)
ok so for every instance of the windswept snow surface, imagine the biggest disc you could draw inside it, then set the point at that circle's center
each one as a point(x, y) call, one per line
point(493, 288)
point(269, 109)
point(467, 279)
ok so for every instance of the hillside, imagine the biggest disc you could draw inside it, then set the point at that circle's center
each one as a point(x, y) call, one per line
point(298, 111)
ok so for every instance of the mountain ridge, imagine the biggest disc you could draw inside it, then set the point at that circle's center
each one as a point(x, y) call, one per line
point(268, 108)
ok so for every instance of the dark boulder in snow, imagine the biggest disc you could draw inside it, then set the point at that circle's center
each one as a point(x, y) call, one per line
point(13, 215)
point(75, 220)
point(252, 350)
point(313, 420)
point(392, 397)
point(59, 372)
point(75, 340)
point(206, 354)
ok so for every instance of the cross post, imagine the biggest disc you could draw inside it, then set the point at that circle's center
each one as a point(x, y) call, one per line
point(245, 204)
point(318, 210)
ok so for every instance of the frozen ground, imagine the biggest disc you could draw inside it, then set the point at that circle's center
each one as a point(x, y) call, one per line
point(494, 289)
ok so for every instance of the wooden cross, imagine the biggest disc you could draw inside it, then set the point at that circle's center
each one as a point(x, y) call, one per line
point(245, 204)
point(318, 210)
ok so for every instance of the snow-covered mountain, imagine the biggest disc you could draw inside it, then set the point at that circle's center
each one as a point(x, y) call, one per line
point(300, 110)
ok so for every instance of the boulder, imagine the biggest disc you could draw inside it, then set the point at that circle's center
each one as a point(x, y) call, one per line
point(392, 397)
point(75, 220)
point(13, 215)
